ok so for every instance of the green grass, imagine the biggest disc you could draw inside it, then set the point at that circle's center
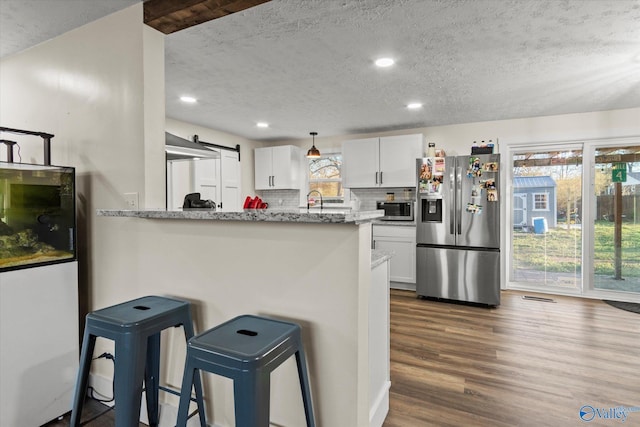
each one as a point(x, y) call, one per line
point(560, 250)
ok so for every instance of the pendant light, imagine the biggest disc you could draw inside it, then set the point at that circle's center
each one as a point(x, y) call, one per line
point(313, 152)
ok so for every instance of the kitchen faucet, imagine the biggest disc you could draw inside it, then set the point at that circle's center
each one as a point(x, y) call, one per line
point(309, 193)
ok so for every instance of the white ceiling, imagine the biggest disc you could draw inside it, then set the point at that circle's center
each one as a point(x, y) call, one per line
point(306, 65)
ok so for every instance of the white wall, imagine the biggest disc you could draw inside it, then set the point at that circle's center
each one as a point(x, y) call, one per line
point(457, 139)
point(87, 87)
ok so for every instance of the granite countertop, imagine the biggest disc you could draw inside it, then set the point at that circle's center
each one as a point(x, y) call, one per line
point(378, 256)
point(255, 215)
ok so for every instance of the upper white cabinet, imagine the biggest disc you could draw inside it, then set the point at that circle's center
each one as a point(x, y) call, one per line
point(361, 163)
point(388, 161)
point(277, 168)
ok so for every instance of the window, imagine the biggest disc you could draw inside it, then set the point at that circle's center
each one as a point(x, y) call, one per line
point(325, 176)
point(541, 201)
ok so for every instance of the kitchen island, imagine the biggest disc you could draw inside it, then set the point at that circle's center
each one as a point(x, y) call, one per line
point(311, 268)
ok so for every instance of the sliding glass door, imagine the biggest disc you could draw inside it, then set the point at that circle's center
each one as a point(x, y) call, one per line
point(616, 233)
point(574, 218)
point(546, 229)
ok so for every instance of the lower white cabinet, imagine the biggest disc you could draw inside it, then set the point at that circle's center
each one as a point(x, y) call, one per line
point(402, 241)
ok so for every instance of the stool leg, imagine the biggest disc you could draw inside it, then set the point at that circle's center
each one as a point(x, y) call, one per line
point(251, 398)
point(152, 378)
point(197, 379)
point(304, 387)
point(88, 345)
point(128, 377)
point(185, 395)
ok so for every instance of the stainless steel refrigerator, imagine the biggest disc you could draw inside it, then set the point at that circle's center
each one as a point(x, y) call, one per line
point(458, 228)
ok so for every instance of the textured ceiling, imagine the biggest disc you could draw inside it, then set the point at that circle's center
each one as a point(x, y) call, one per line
point(304, 65)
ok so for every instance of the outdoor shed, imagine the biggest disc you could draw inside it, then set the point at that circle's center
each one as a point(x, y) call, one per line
point(534, 197)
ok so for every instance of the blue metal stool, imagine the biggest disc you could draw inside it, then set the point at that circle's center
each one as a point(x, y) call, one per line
point(135, 327)
point(246, 349)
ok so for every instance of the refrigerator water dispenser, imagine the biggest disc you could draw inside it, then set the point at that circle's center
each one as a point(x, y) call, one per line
point(431, 209)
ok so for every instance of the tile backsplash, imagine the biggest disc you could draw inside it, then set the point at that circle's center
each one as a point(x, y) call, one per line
point(367, 197)
point(280, 198)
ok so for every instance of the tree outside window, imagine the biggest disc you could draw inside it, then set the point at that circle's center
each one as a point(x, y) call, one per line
point(325, 176)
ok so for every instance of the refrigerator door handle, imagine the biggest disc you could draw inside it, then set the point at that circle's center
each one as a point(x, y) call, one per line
point(452, 204)
point(459, 199)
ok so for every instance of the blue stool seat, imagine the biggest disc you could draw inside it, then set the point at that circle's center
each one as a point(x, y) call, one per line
point(135, 328)
point(246, 349)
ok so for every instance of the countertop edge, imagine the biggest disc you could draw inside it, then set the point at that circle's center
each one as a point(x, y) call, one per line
point(253, 215)
point(378, 256)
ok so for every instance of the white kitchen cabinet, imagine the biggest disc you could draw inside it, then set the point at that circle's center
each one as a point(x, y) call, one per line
point(387, 161)
point(361, 163)
point(402, 241)
point(277, 168)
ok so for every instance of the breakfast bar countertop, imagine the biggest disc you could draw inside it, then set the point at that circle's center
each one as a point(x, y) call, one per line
point(257, 215)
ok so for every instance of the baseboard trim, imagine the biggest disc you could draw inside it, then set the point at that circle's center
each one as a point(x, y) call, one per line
point(380, 407)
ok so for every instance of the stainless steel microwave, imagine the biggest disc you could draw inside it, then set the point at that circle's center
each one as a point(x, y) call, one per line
point(396, 211)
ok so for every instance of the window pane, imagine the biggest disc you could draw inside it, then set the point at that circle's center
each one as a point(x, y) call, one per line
point(328, 189)
point(617, 223)
point(540, 201)
point(325, 167)
point(325, 176)
point(547, 234)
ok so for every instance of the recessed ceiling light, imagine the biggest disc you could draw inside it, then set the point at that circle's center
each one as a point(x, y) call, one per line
point(188, 99)
point(262, 125)
point(385, 62)
point(414, 105)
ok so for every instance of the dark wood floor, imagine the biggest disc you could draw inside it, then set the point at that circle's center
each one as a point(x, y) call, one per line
point(94, 414)
point(526, 363)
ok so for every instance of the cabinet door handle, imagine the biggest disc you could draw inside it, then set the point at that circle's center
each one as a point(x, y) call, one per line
point(376, 177)
point(273, 180)
point(380, 177)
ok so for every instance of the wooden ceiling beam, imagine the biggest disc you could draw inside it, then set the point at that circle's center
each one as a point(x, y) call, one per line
point(169, 16)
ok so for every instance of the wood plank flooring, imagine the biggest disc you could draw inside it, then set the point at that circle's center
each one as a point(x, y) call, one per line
point(94, 414)
point(525, 363)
